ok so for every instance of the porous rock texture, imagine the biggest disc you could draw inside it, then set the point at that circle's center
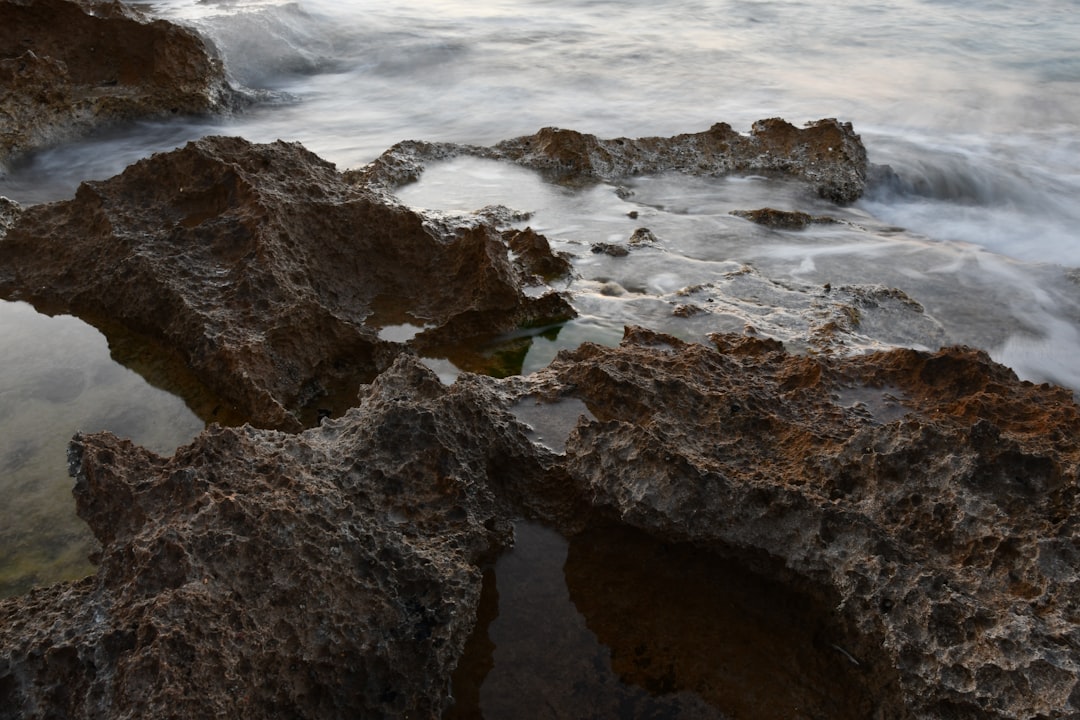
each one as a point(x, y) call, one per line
point(266, 272)
point(67, 67)
point(931, 499)
point(827, 154)
point(258, 574)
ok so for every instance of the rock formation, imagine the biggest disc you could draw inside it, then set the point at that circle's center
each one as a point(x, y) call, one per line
point(930, 499)
point(268, 274)
point(67, 67)
point(260, 574)
point(783, 219)
point(827, 154)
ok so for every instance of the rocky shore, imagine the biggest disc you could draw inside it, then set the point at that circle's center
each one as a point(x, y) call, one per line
point(67, 68)
point(327, 558)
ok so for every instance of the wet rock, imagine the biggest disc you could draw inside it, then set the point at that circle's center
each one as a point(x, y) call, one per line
point(783, 219)
point(827, 154)
point(843, 320)
point(603, 248)
point(334, 573)
point(927, 501)
point(9, 211)
point(535, 256)
point(266, 273)
point(642, 236)
point(931, 498)
point(67, 67)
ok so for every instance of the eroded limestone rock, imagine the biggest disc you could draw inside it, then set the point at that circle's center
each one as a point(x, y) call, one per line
point(827, 154)
point(67, 67)
point(930, 499)
point(268, 274)
point(783, 219)
point(260, 574)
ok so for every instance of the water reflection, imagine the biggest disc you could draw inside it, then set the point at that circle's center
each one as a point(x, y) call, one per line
point(616, 624)
point(680, 620)
point(56, 378)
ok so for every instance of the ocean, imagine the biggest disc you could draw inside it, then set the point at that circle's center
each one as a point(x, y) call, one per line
point(971, 239)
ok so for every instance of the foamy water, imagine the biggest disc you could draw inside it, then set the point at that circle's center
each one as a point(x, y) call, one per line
point(975, 107)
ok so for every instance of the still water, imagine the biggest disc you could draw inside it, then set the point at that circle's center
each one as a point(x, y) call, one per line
point(975, 107)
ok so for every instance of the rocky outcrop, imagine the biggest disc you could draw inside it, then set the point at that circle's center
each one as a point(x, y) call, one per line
point(929, 499)
point(332, 574)
point(827, 154)
point(67, 67)
point(268, 274)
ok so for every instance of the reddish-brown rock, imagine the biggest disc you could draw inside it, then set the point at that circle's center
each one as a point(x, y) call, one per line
point(67, 67)
point(929, 499)
point(827, 154)
point(268, 274)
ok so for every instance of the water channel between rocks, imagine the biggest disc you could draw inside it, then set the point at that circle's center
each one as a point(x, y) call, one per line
point(615, 624)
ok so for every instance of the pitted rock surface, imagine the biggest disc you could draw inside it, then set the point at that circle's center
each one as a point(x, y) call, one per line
point(67, 67)
point(333, 573)
point(931, 496)
point(931, 499)
point(266, 272)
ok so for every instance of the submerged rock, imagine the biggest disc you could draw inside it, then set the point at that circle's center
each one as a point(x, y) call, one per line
point(827, 154)
point(268, 274)
point(783, 219)
point(929, 499)
point(67, 67)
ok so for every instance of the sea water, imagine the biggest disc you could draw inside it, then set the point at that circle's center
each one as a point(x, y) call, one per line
point(975, 107)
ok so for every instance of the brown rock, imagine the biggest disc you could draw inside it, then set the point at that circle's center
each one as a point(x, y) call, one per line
point(931, 498)
point(783, 219)
point(67, 67)
point(260, 574)
point(267, 273)
point(826, 153)
point(927, 501)
point(603, 248)
point(534, 254)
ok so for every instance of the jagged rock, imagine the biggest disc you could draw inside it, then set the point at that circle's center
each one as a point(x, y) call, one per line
point(259, 574)
point(642, 236)
point(783, 219)
point(535, 256)
point(826, 153)
point(67, 67)
point(930, 499)
point(9, 211)
point(267, 273)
